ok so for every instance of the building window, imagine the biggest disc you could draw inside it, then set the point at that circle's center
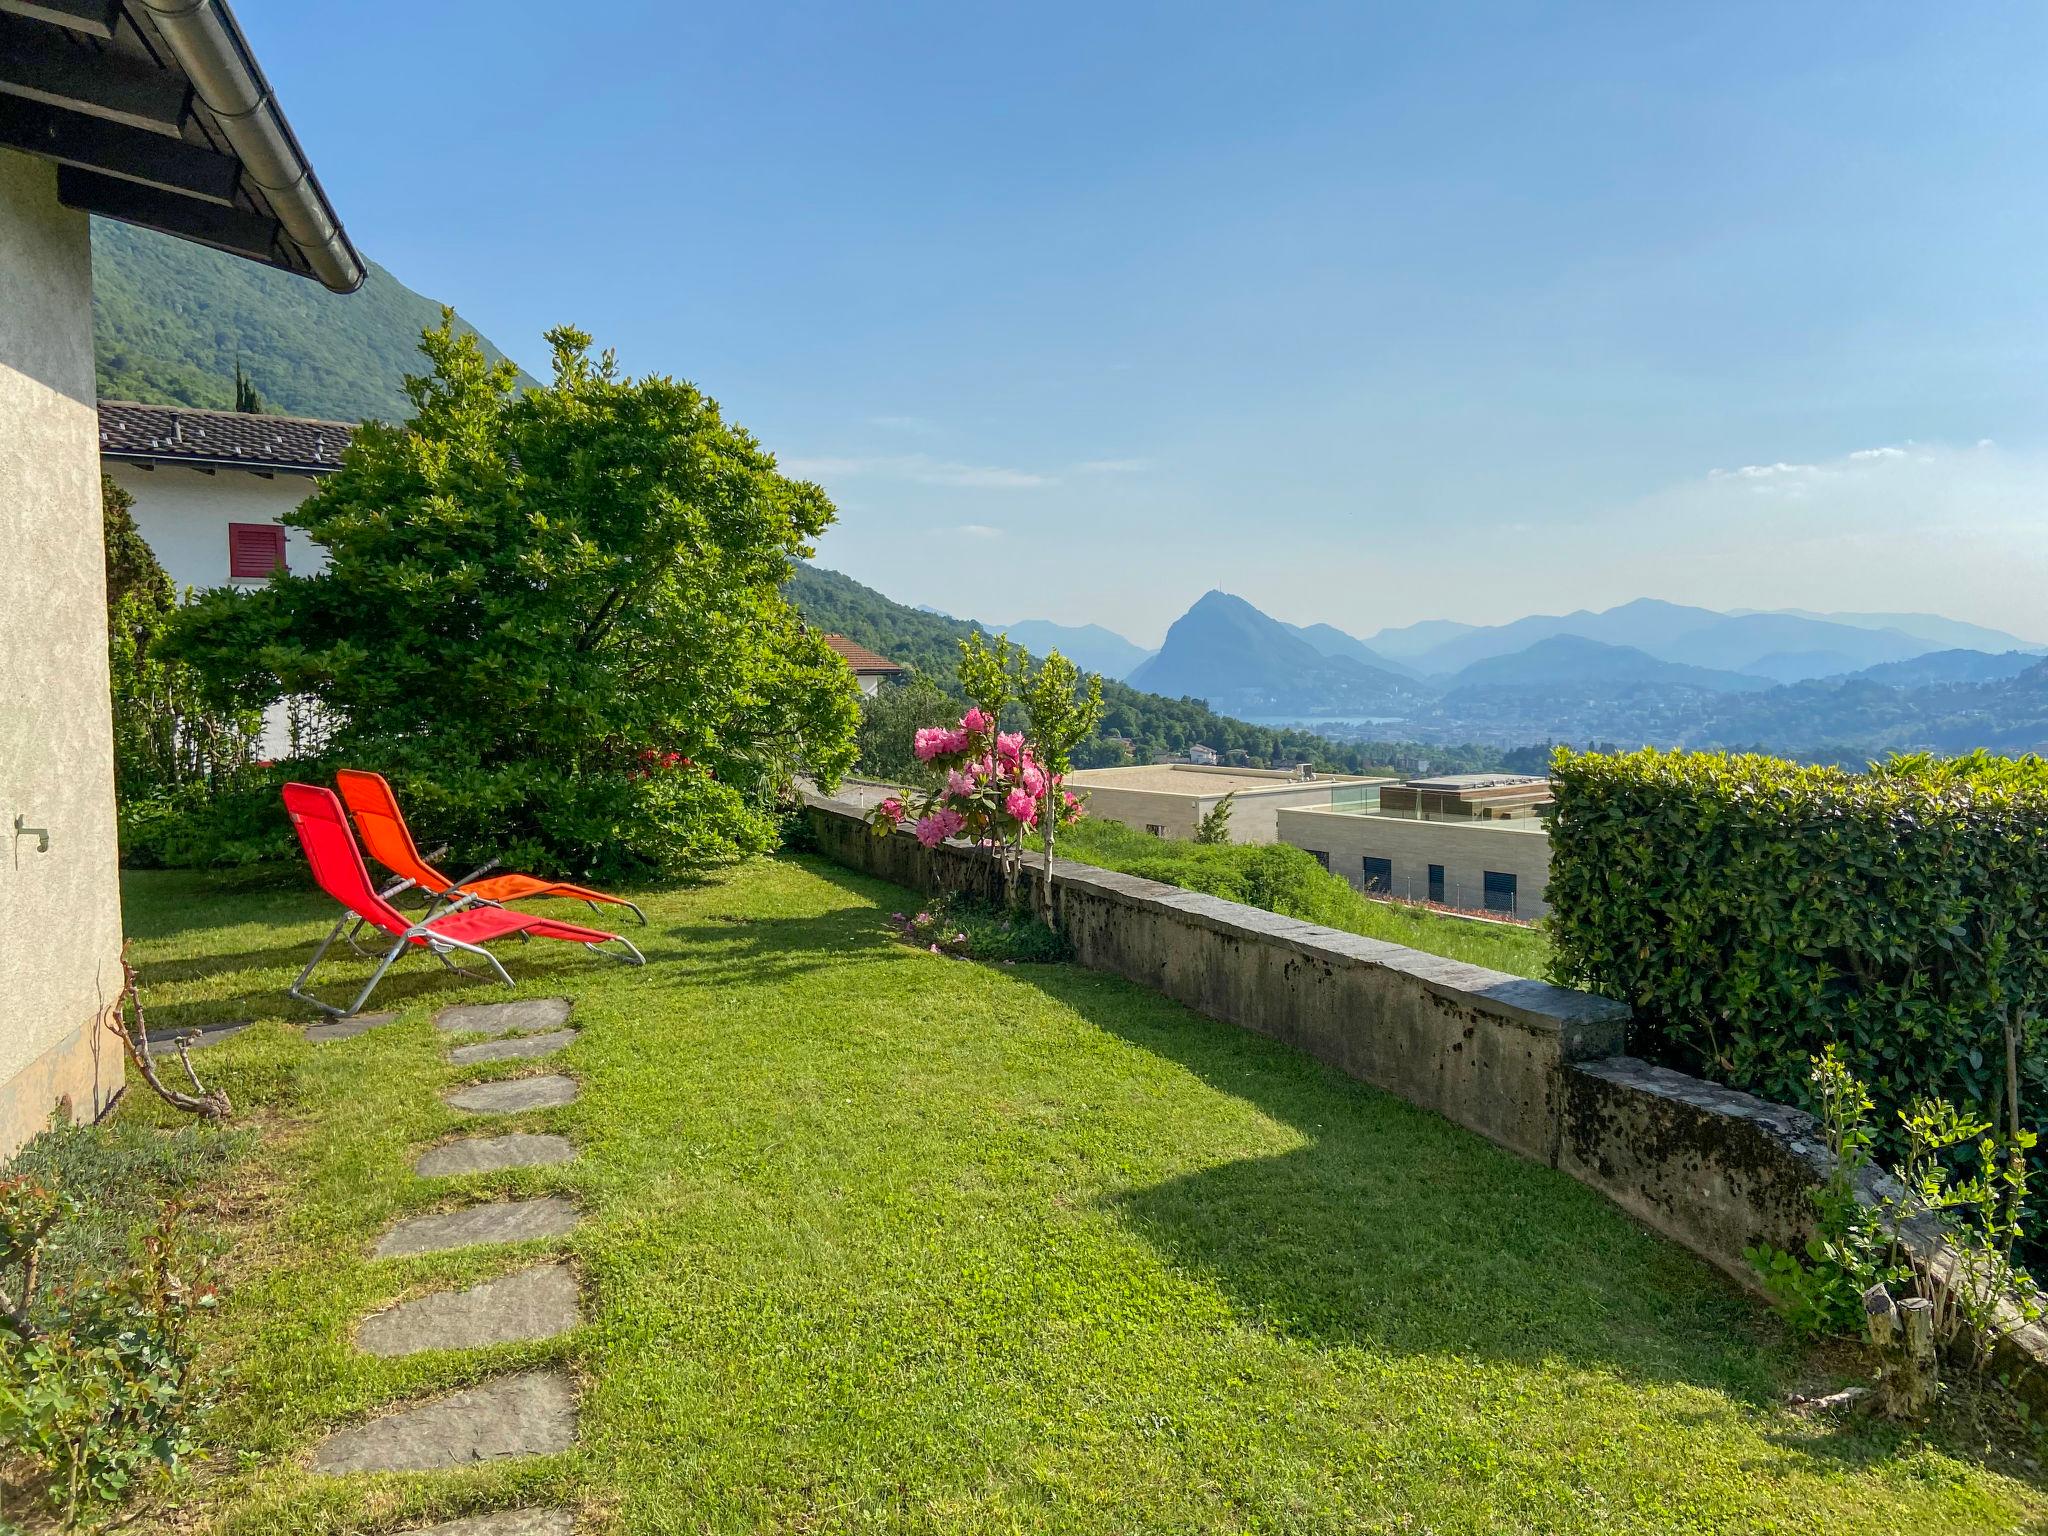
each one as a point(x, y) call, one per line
point(1500, 892)
point(255, 550)
point(1436, 884)
point(1321, 856)
point(1155, 831)
point(1379, 876)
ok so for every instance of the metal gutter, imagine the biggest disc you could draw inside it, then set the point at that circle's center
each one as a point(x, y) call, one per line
point(228, 81)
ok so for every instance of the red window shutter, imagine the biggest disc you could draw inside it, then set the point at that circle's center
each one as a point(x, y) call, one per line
point(255, 549)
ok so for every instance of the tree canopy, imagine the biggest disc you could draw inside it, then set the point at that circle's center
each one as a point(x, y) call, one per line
point(556, 614)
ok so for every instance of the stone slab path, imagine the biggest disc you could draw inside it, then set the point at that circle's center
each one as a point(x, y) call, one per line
point(211, 1034)
point(530, 1414)
point(527, 1016)
point(513, 1048)
point(490, 1154)
point(348, 1029)
point(502, 1221)
point(515, 1094)
point(535, 1303)
point(510, 1522)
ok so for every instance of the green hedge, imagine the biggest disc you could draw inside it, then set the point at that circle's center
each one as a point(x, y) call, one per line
point(1753, 911)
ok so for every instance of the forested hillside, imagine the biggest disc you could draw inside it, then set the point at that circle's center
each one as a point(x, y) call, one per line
point(1154, 726)
point(172, 319)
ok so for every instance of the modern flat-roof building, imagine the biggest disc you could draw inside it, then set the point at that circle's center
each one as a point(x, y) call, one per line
point(1170, 799)
point(1475, 842)
point(154, 112)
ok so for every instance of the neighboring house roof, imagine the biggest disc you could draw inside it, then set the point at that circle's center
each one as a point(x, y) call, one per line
point(863, 661)
point(180, 434)
point(157, 113)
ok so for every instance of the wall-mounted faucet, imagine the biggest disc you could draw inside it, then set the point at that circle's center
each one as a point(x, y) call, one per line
point(40, 834)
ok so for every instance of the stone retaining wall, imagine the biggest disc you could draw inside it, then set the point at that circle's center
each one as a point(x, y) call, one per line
point(1534, 1067)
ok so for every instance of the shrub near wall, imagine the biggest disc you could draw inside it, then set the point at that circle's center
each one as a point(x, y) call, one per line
point(1753, 910)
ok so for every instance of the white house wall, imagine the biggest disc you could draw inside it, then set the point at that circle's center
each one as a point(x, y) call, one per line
point(183, 516)
point(60, 911)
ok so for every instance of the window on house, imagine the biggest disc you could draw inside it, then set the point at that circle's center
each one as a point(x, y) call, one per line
point(1436, 884)
point(1500, 892)
point(1155, 830)
point(1321, 856)
point(255, 549)
point(1379, 875)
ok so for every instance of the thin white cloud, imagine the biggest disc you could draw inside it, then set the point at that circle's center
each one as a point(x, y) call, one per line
point(919, 469)
point(1113, 466)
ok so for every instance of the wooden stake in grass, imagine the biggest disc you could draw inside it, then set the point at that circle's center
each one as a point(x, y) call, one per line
point(1902, 1338)
point(207, 1103)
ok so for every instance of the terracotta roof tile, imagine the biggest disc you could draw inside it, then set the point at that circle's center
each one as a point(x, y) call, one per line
point(177, 432)
point(859, 657)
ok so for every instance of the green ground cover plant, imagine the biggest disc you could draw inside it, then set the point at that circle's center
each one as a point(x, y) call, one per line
point(877, 1240)
point(1278, 878)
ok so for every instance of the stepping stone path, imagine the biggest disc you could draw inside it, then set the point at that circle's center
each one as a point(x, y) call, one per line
point(535, 1303)
point(527, 1016)
point(489, 1154)
point(515, 1048)
point(530, 1414)
point(511, 1522)
point(211, 1034)
point(348, 1029)
point(515, 1094)
point(503, 1221)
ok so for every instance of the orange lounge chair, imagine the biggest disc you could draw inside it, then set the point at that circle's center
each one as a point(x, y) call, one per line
point(382, 828)
point(337, 866)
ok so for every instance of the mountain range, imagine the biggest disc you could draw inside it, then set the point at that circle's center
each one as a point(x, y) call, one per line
point(172, 321)
point(1646, 671)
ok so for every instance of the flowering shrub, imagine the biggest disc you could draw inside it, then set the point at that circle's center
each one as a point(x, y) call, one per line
point(994, 791)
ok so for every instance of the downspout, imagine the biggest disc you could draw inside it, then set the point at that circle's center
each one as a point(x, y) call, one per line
point(210, 48)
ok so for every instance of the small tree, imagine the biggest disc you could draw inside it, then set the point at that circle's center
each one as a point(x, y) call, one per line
point(554, 617)
point(1063, 713)
point(889, 723)
point(1214, 825)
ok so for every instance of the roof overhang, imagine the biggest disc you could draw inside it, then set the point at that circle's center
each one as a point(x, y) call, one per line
point(157, 113)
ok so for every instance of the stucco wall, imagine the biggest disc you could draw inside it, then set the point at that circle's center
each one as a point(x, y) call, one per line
point(1466, 853)
point(1252, 814)
point(60, 911)
point(184, 516)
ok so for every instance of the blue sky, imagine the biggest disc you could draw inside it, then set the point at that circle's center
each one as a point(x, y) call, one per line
point(1370, 313)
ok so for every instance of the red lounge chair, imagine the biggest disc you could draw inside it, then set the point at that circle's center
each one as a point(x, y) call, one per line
point(381, 825)
point(338, 867)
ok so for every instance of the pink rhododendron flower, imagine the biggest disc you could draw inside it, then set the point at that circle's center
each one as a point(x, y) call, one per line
point(975, 721)
point(928, 831)
point(1073, 801)
point(1021, 806)
point(1034, 780)
point(958, 783)
point(893, 809)
point(1009, 745)
point(928, 743)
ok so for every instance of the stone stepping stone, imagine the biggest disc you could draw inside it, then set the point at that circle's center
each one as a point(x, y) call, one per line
point(530, 1414)
point(527, 1016)
point(165, 1040)
point(348, 1029)
point(515, 1094)
point(502, 1221)
point(517, 1048)
point(510, 1522)
point(490, 1154)
point(535, 1303)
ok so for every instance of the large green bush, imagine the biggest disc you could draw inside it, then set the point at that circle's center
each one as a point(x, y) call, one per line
point(1755, 912)
point(553, 618)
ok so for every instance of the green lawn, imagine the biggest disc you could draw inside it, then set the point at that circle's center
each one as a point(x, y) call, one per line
point(880, 1241)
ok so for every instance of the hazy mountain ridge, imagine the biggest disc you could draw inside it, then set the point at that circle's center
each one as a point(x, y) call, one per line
point(1089, 646)
point(1243, 661)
